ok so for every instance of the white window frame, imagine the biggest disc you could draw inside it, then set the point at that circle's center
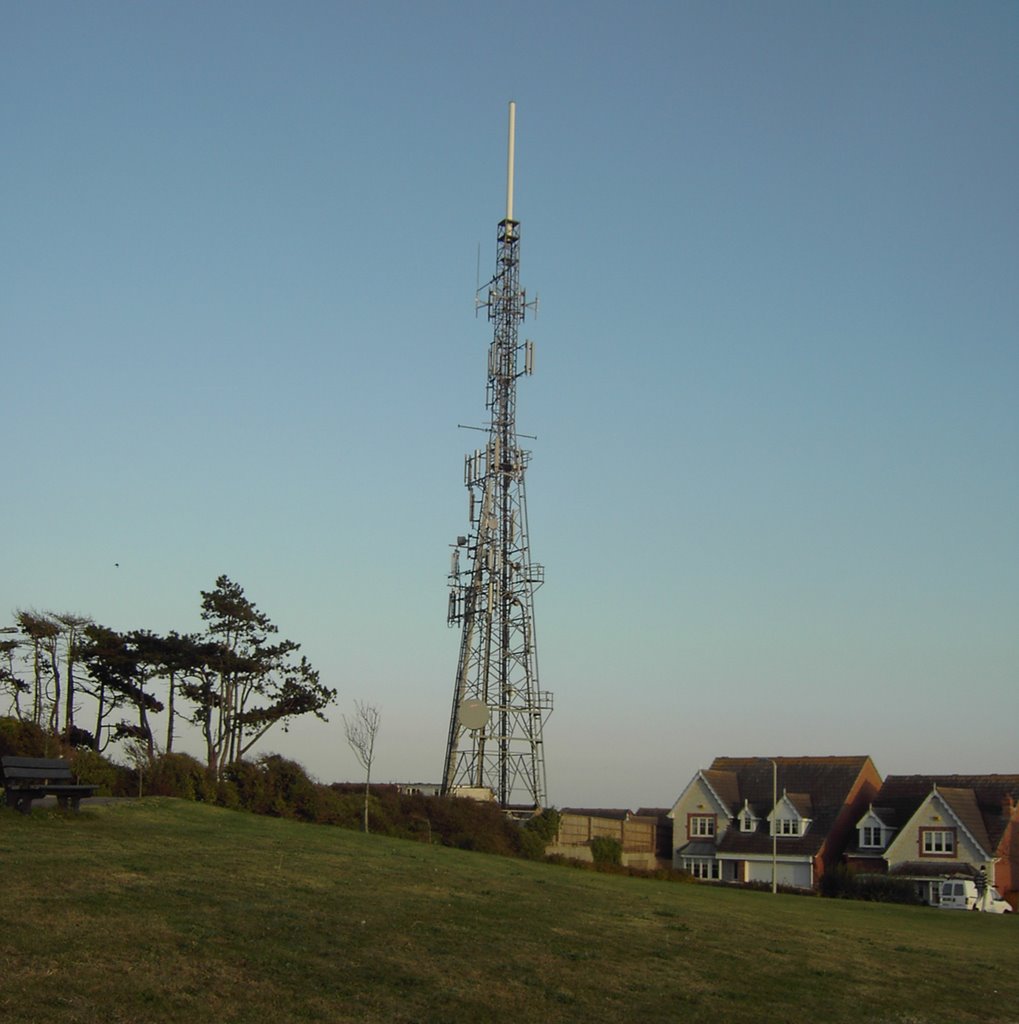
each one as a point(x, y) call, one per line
point(937, 842)
point(702, 826)
point(872, 836)
point(706, 868)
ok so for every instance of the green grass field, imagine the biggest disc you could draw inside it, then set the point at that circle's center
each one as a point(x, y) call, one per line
point(162, 910)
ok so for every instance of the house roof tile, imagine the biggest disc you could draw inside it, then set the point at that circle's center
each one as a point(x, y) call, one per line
point(697, 848)
point(964, 806)
point(928, 869)
point(726, 787)
point(803, 804)
point(613, 813)
point(735, 841)
point(827, 780)
point(653, 812)
point(991, 796)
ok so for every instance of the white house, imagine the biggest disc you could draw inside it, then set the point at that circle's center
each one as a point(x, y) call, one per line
point(742, 818)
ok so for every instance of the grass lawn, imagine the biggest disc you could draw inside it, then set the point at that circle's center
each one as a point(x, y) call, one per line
point(162, 910)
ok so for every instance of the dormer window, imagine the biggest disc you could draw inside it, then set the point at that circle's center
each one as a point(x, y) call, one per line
point(872, 835)
point(746, 819)
point(788, 817)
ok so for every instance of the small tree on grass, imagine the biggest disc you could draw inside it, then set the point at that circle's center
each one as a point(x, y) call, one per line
point(537, 832)
point(606, 852)
point(361, 731)
point(141, 759)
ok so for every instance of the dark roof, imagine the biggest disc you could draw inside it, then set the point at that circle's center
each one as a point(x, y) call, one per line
point(886, 815)
point(964, 806)
point(982, 803)
point(615, 813)
point(827, 780)
point(990, 788)
point(818, 787)
point(697, 848)
point(759, 841)
point(928, 869)
point(726, 787)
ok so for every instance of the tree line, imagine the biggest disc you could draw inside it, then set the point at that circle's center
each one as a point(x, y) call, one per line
point(234, 681)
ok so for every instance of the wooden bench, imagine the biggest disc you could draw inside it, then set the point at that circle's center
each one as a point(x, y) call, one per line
point(31, 778)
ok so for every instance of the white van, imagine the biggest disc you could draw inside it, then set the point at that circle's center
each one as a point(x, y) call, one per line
point(962, 894)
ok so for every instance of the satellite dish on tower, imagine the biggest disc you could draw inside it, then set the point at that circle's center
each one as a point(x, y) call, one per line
point(474, 714)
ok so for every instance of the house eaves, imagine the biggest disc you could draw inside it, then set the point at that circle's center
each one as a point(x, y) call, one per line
point(701, 777)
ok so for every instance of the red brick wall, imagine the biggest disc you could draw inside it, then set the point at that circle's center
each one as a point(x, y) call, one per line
point(867, 784)
point(1006, 871)
point(868, 865)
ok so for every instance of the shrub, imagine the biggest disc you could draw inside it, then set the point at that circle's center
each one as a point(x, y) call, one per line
point(327, 807)
point(273, 785)
point(227, 795)
point(883, 889)
point(94, 769)
point(179, 775)
point(606, 852)
point(841, 883)
point(532, 846)
point(545, 825)
point(537, 832)
point(837, 883)
point(473, 825)
point(25, 739)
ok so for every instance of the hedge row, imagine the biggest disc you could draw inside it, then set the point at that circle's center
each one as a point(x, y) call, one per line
point(279, 787)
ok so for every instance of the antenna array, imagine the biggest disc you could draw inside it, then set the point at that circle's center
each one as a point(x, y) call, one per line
point(495, 745)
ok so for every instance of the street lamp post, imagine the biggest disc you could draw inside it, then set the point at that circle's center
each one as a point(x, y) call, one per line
point(774, 825)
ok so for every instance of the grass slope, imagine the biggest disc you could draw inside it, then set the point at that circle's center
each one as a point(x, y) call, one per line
point(164, 911)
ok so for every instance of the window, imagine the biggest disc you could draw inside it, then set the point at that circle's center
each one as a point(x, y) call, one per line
point(871, 835)
point(937, 842)
point(703, 867)
point(746, 822)
point(788, 827)
point(701, 826)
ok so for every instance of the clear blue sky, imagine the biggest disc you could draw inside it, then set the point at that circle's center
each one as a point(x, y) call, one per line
point(776, 481)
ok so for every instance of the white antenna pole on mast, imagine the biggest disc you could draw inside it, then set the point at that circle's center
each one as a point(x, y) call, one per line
point(509, 162)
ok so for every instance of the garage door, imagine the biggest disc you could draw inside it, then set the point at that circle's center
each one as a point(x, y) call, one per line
point(797, 875)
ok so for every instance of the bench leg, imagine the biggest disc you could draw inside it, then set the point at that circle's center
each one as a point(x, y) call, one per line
point(24, 804)
point(65, 801)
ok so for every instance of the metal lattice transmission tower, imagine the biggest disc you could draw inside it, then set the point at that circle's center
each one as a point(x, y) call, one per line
point(495, 729)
